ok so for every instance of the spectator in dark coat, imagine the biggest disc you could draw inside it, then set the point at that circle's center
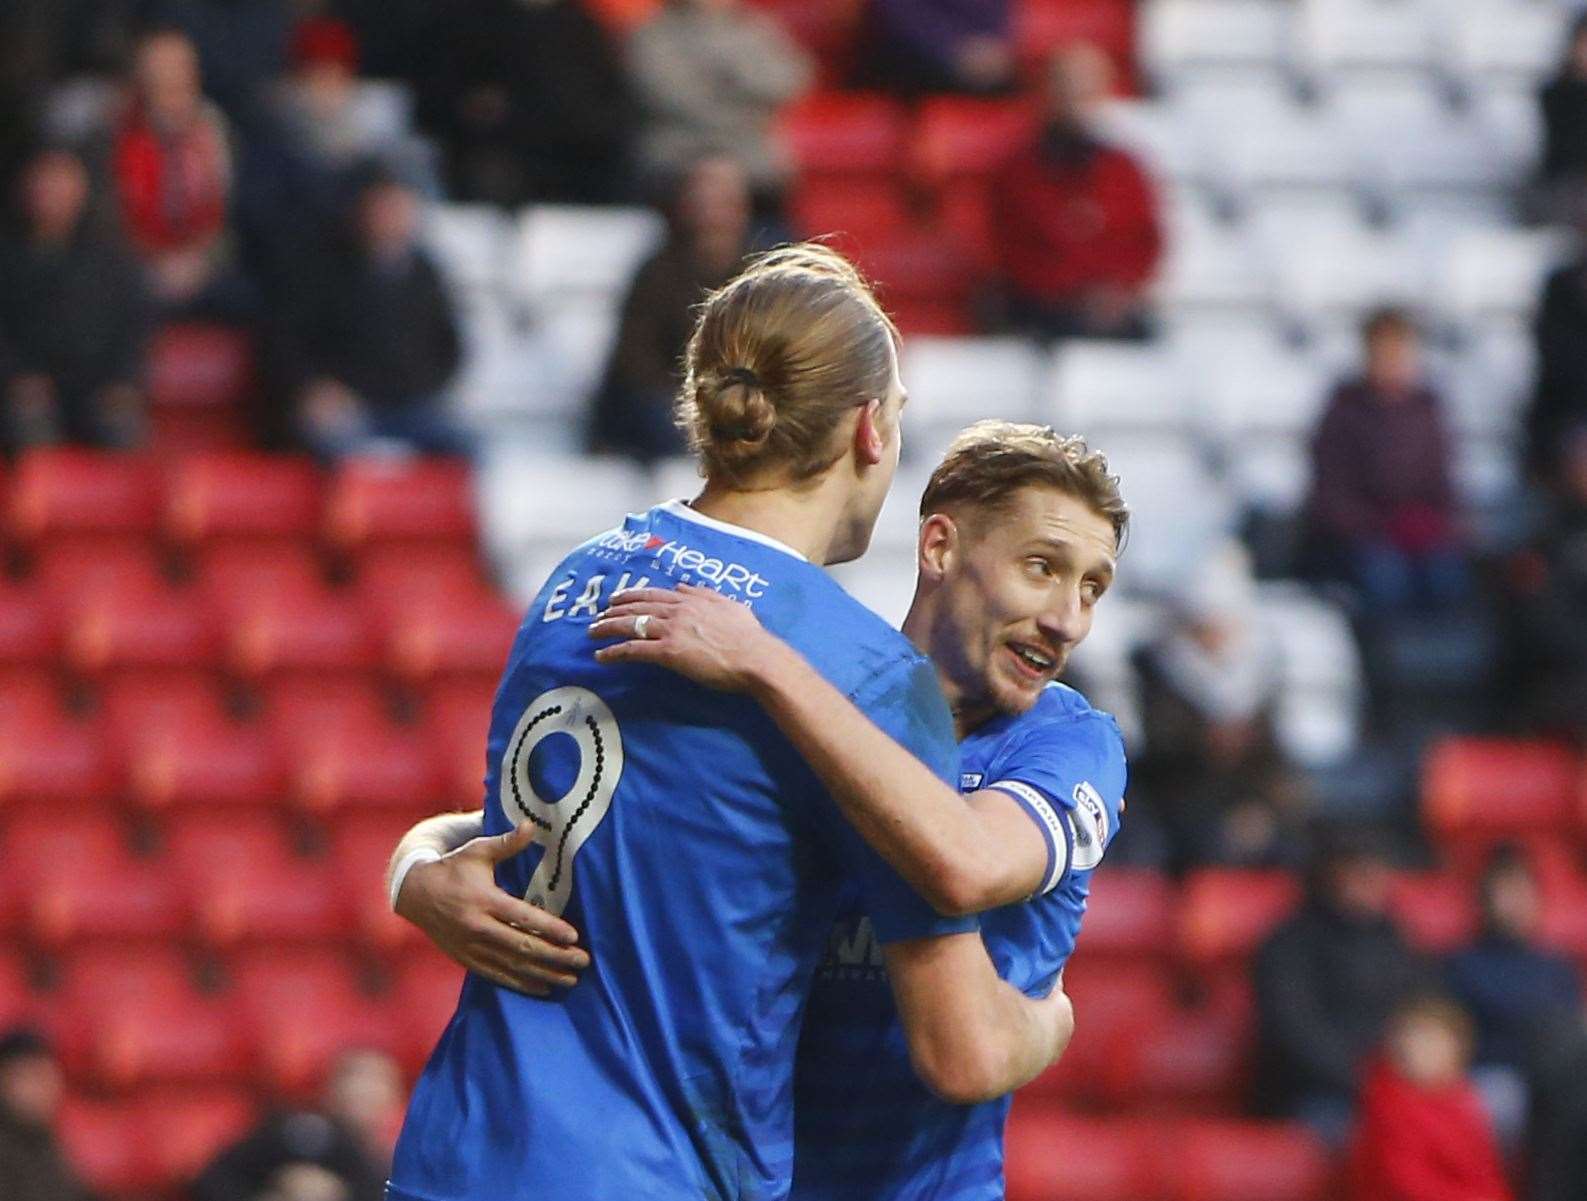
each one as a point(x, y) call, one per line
point(1564, 103)
point(917, 46)
point(373, 341)
point(1559, 400)
point(531, 104)
point(32, 1167)
point(1558, 1164)
point(1075, 220)
point(709, 239)
point(338, 1152)
point(1423, 1134)
point(1326, 982)
point(1382, 512)
point(1514, 988)
point(1546, 582)
point(73, 318)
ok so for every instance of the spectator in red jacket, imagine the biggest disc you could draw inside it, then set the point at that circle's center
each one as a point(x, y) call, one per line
point(1383, 514)
point(1075, 219)
point(171, 169)
point(1423, 1133)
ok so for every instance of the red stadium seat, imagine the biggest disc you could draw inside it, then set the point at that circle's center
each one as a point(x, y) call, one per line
point(422, 1001)
point(71, 576)
point(29, 625)
point(843, 134)
point(46, 756)
point(105, 1146)
point(360, 848)
point(956, 137)
point(200, 378)
point(342, 748)
point(1481, 791)
point(303, 1008)
point(391, 577)
point(1109, 998)
point(458, 720)
point(1225, 914)
point(1042, 26)
point(66, 493)
point(1051, 1155)
point(923, 280)
point(177, 746)
point(304, 635)
point(1130, 913)
point(19, 1004)
point(134, 630)
point(964, 212)
point(1564, 924)
point(128, 1018)
point(244, 884)
point(184, 1128)
point(1195, 1061)
point(377, 500)
point(1436, 912)
point(77, 881)
point(469, 638)
point(853, 212)
point(241, 496)
point(1246, 1161)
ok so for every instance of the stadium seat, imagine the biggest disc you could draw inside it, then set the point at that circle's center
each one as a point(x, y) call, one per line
point(1130, 914)
point(1226, 913)
point(127, 1018)
point(105, 1146)
point(301, 1008)
point(1415, 144)
point(1195, 1062)
point(29, 626)
point(48, 757)
point(341, 747)
point(249, 497)
point(845, 134)
point(567, 251)
point(361, 845)
point(70, 493)
point(1112, 998)
point(1249, 385)
point(1102, 386)
point(471, 244)
point(533, 503)
point(470, 637)
point(1178, 37)
point(924, 281)
point(1210, 267)
point(457, 721)
point(238, 579)
point(1043, 26)
point(19, 1004)
point(315, 635)
point(115, 632)
point(71, 574)
point(1564, 925)
point(954, 381)
point(850, 212)
point(421, 1002)
point(1051, 1155)
point(1489, 273)
point(176, 746)
point(199, 379)
point(957, 137)
point(1495, 42)
point(376, 500)
point(1436, 912)
point(1246, 1161)
point(184, 1128)
point(1483, 791)
point(1337, 36)
point(1319, 713)
point(244, 885)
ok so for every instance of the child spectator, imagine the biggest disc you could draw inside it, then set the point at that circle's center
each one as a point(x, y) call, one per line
point(1423, 1134)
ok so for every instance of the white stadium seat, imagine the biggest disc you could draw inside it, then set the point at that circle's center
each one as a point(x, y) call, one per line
point(1272, 474)
point(883, 581)
point(1488, 41)
point(1496, 272)
point(1161, 136)
point(1319, 709)
point(1181, 35)
point(1336, 36)
point(565, 250)
point(954, 381)
point(574, 340)
point(470, 243)
point(1179, 509)
point(1256, 385)
point(1103, 386)
point(1414, 140)
point(1209, 266)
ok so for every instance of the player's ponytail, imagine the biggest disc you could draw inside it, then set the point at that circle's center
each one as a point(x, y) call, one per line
point(778, 356)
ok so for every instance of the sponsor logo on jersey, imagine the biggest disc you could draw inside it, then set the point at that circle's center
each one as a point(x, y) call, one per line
point(971, 780)
point(1088, 821)
point(853, 952)
point(678, 558)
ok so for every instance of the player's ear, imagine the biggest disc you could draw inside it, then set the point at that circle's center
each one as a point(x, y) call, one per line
point(870, 438)
point(938, 546)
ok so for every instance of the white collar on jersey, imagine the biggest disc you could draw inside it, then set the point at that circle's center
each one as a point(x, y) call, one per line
point(682, 510)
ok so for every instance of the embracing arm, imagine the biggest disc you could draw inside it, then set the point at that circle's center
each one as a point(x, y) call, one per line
point(449, 892)
point(962, 857)
point(972, 1036)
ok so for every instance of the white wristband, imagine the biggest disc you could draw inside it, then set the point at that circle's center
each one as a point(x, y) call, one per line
point(407, 863)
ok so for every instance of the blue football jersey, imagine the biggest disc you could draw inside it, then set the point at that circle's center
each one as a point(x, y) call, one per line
point(866, 1128)
point(704, 865)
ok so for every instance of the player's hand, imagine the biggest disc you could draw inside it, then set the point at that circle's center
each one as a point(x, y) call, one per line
point(492, 933)
point(694, 631)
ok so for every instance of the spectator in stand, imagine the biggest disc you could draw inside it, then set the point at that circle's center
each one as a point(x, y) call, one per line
point(711, 75)
point(1326, 982)
point(340, 1151)
point(709, 218)
point(1558, 1163)
point(1382, 514)
point(1514, 988)
point(1559, 399)
point(373, 341)
point(1547, 613)
point(73, 317)
point(338, 125)
point(915, 47)
point(242, 46)
point(171, 171)
point(1075, 220)
point(1423, 1133)
point(530, 102)
point(1211, 774)
point(1564, 103)
point(32, 1167)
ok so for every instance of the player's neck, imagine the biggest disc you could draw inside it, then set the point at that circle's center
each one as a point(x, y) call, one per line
point(968, 715)
point(810, 520)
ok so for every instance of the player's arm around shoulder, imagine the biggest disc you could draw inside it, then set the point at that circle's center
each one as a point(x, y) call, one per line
point(442, 878)
point(963, 859)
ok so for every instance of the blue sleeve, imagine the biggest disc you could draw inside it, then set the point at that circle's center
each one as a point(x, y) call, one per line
point(905, 702)
point(1069, 778)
